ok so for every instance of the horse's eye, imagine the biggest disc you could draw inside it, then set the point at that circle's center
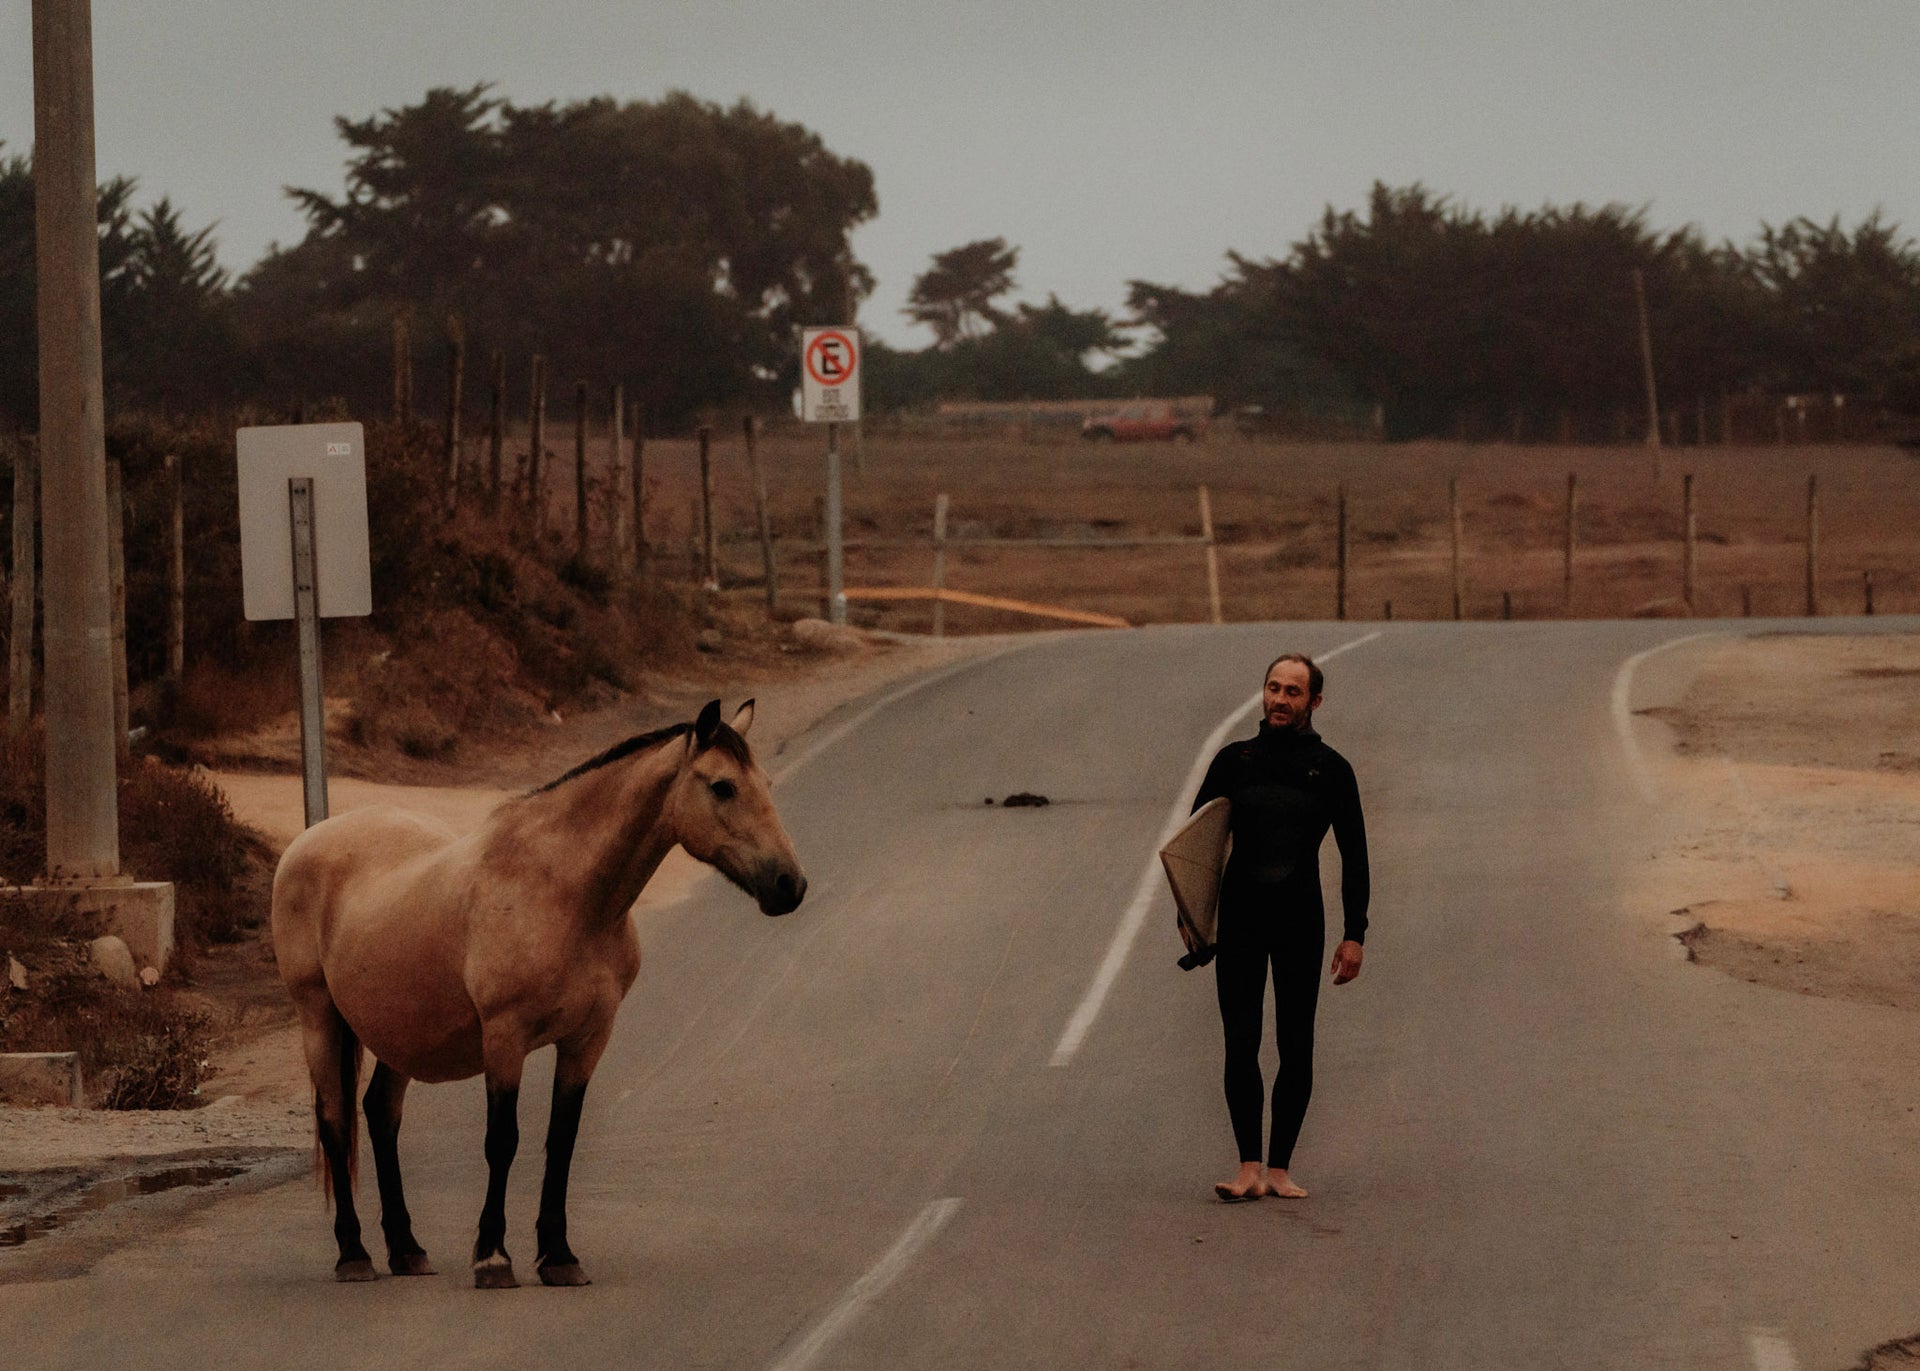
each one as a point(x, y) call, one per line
point(722, 790)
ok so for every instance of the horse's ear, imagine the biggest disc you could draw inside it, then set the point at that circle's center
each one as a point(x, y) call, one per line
point(742, 719)
point(704, 726)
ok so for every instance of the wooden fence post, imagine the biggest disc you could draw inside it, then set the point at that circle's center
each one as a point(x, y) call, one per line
point(1689, 563)
point(26, 500)
point(1340, 560)
point(536, 447)
point(496, 430)
point(1573, 513)
point(619, 508)
point(762, 518)
point(1213, 558)
point(637, 475)
point(117, 589)
point(580, 468)
point(1453, 514)
point(709, 560)
point(176, 571)
point(1506, 604)
point(456, 380)
point(402, 368)
point(939, 564)
point(1866, 585)
point(1813, 546)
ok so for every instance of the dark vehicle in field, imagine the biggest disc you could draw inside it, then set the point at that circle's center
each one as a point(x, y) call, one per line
point(1142, 421)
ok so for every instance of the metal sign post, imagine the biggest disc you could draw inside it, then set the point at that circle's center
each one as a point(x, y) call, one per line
point(306, 614)
point(836, 549)
point(314, 478)
point(830, 394)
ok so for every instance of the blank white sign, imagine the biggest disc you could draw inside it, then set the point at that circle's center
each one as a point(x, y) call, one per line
point(335, 457)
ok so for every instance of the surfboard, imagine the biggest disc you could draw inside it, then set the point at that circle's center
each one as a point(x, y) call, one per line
point(1193, 858)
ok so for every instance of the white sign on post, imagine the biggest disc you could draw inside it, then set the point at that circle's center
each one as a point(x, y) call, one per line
point(830, 375)
point(334, 456)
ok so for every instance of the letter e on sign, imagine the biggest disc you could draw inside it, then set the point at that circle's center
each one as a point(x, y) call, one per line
point(830, 375)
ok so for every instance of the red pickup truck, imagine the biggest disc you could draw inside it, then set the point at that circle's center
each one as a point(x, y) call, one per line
point(1140, 421)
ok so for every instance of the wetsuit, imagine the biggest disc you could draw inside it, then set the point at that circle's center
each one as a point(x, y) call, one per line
point(1287, 788)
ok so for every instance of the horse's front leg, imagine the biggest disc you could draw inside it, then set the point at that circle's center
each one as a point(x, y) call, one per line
point(573, 1066)
point(505, 1055)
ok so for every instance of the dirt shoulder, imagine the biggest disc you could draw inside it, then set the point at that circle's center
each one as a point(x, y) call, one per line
point(258, 1098)
point(1795, 780)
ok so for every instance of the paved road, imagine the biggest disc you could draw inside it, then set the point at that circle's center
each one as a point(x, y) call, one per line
point(841, 1139)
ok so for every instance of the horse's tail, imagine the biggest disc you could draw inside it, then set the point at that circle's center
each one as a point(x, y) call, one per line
point(347, 1044)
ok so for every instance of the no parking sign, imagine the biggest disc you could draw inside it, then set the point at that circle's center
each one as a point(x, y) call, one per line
point(830, 375)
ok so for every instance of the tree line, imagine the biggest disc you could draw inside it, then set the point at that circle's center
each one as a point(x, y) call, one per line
point(1445, 319)
point(676, 245)
point(671, 245)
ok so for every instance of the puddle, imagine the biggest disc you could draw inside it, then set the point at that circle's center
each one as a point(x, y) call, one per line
point(100, 1194)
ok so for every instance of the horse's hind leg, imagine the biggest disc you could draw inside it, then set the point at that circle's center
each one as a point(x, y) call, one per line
point(333, 1061)
point(386, 1093)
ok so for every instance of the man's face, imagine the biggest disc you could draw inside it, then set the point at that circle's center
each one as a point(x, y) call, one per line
point(1286, 700)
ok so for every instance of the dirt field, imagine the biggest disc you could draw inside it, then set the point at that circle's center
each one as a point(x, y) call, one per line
point(1797, 776)
point(1274, 509)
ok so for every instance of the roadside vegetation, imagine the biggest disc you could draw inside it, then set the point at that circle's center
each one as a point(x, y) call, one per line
point(139, 1049)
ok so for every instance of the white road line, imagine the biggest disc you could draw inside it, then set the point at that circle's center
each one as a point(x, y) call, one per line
point(816, 746)
point(863, 1292)
point(1771, 1351)
point(1623, 715)
point(1145, 893)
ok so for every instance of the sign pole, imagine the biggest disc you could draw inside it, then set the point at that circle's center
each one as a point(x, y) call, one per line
point(306, 613)
point(836, 567)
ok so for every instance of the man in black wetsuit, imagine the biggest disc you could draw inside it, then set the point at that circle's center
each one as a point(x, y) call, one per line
point(1287, 788)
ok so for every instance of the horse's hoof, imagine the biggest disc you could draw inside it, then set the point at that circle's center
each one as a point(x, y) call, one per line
point(564, 1273)
point(410, 1264)
point(494, 1273)
point(355, 1269)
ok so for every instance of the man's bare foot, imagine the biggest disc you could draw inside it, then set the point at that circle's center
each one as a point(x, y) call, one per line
point(1247, 1185)
point(1280, 1184)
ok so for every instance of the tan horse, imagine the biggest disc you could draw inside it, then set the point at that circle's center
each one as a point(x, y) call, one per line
point(449, 956)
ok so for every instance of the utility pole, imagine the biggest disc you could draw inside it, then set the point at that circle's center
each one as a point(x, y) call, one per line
point(1646, 358)
point(83, 819)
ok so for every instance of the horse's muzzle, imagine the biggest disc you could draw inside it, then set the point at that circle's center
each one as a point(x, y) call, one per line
point(782, 894)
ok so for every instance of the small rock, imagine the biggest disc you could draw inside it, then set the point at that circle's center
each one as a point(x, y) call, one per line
point(710, 640)
point(16, 973)
point(111, 959)
point(1672, 608)
point(1024, 799)
point(817, 635)
point(149, 976)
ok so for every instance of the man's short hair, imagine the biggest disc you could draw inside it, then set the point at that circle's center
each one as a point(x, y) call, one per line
point(1315, 677)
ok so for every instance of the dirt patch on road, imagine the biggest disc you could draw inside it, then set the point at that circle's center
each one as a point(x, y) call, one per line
point(1797, 770)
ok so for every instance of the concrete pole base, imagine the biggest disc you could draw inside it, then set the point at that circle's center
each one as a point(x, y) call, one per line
point(41, 1078)
point(140, 913)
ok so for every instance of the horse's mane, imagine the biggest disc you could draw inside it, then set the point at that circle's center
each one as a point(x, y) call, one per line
point(724, 738)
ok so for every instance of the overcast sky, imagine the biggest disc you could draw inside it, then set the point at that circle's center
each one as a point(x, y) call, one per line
point(1107, 139)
